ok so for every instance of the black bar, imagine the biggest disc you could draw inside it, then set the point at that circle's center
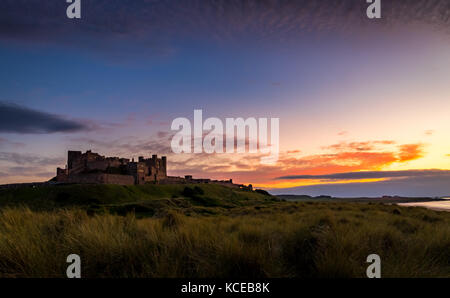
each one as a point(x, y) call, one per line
point(173, 287)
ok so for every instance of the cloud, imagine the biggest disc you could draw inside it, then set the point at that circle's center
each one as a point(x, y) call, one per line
point(126, 146)
point(152, 23)
point(19, 119)
point(429, 185)
point(4, 142)
point(410, 152)
point(28, 172)
point(358, 146)
point(355, 156)
point(163, 134)
point(27, 159)
point(340, 158)
point(293, 151)
point(246, 168)
point(27, 167)
point(372, 175)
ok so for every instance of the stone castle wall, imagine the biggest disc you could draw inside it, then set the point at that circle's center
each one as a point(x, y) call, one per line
point(149, 170)
point(100, 178)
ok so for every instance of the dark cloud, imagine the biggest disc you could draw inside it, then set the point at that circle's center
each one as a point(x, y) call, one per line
point(152, 22)
point(20, 119)
point(373, 175)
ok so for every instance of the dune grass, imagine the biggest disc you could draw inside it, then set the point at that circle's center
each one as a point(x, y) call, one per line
point(281, 239)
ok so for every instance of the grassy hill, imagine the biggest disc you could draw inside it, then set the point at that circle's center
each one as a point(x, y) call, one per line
point(141, 199)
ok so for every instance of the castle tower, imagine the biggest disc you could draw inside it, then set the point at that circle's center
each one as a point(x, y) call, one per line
point(164, 166)
point(71, 157)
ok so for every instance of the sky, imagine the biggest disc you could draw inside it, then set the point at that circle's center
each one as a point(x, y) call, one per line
point(363, 103)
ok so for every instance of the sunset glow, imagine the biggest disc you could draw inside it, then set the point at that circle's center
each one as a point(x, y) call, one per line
point(374, 98)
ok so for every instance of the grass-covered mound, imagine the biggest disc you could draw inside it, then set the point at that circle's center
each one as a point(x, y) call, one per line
point(278, 240)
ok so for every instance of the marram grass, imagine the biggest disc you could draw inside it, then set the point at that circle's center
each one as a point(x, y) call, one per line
point(279, 240)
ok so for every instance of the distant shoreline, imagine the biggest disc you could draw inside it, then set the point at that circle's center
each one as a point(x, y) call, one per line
point(442, 205)
point(436, 204)
point(384, 199)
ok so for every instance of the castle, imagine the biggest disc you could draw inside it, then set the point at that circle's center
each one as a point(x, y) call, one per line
point(90, 167)
point(93, 168)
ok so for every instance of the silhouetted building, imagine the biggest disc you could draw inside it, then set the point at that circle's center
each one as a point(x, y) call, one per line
point(90, 167)
point(93, 168)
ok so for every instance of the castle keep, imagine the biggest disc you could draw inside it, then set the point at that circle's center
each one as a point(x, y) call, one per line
point(93, 168)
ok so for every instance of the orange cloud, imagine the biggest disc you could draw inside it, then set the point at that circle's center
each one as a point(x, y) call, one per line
point(342, 157)
point(410, 152)
point(293, 151)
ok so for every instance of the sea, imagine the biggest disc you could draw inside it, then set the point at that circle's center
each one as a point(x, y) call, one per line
point(435, 205)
